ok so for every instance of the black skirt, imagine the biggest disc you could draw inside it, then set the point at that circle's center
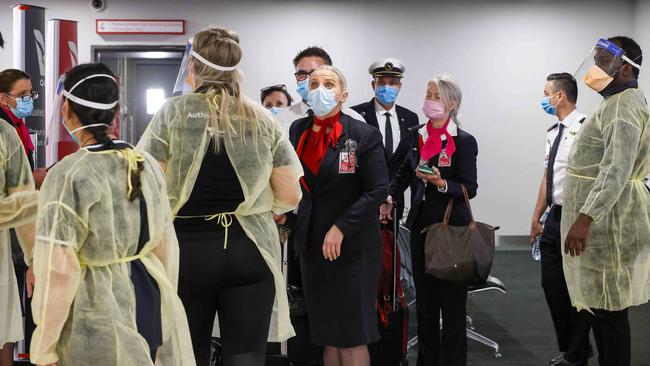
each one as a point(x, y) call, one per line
point(341, 297)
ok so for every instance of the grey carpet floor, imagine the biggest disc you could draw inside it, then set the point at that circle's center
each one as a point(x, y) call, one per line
point(520, 322)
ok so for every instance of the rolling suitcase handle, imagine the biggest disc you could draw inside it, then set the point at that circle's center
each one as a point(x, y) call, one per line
point(395, 272)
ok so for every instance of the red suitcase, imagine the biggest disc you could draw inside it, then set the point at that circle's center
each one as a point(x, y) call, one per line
point(392, 310)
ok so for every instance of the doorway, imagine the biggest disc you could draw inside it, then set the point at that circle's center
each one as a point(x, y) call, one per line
point(147, 76)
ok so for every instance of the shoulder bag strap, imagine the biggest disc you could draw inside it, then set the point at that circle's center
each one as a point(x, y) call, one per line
point(469, 207)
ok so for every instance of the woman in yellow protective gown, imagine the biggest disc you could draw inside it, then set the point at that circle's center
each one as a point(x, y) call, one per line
point(18, 204)
point(106, 255)
point(228, 165)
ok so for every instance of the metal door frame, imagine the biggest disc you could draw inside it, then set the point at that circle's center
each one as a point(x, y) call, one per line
point(123, 53)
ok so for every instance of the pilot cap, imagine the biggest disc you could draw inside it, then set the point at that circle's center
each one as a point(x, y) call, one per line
point(387, 67)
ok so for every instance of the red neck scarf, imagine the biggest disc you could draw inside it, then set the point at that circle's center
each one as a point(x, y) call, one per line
point(433, 145)
point(313, 145)
point(21, 129)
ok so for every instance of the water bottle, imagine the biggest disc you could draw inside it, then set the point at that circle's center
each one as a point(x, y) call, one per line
point(536, 253)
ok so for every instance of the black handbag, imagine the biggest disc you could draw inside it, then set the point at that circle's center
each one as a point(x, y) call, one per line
point(459, 254)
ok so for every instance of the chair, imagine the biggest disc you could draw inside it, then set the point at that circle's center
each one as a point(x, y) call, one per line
point(491, 284)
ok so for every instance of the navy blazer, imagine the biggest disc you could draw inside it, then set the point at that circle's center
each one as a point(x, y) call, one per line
point(428, 204)
point(408, 141)
point(349, 201)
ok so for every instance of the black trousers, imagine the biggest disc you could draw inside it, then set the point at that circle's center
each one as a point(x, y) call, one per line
point(20, 268)
point(612, 333)
point(571, 327)
point(234, 282)
point(434, 296)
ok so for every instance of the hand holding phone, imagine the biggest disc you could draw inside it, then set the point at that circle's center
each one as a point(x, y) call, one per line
point(426, 170)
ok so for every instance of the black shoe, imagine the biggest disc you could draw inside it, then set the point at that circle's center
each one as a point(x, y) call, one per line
point(562, 362)
point(557, 359)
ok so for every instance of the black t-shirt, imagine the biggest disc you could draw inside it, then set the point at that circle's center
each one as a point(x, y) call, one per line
point(217, 190)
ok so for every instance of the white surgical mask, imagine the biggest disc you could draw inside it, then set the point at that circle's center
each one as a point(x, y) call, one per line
point(322, 101)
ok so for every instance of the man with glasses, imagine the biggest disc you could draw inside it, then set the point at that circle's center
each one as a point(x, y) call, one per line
point(305, 62)
point(275, 98)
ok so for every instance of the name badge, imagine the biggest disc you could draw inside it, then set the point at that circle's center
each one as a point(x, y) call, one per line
point(347, 162)
point(444, 160)
point(348, 158)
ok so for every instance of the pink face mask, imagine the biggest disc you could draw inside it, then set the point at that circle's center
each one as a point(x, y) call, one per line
point(434, 109)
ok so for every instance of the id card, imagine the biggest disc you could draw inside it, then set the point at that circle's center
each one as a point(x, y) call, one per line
point(444, 160)
point(347, 162)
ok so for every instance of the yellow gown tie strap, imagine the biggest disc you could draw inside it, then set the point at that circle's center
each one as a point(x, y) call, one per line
point(224, 219)
point(594, 178)
point(132, 158)
point(143, 253)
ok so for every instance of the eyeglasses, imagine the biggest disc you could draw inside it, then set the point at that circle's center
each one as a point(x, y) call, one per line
point(302, 75)
point(25, 98)
point(278, 86)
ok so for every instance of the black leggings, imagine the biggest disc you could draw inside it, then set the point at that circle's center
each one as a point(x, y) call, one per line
point(234, 282)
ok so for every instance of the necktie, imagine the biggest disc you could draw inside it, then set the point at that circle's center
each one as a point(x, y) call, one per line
point(551, 162)
point(388, 136)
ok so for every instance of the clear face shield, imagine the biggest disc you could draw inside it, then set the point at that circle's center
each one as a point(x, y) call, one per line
point(598, 70)
point(58, 133)
point(182, 85)
point(184, 81)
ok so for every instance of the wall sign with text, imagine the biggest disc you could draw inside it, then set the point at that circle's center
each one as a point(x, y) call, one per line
point(139, 26)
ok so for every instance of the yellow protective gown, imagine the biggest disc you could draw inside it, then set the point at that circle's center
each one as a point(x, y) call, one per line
point(605, 172)
point(87, 235)
point(178, 137)
point(18, 206)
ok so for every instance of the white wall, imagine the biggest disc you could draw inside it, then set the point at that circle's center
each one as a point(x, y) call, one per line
point(501, 52)
point(642, 36)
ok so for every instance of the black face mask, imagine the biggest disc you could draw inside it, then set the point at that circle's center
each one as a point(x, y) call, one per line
point(613, 89)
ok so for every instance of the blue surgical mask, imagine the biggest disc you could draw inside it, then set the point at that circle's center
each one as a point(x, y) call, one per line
point(302, 89)
point(386, 94)
point(23, 108)
point(275, 110)
point(547, 107)
point(322, 101)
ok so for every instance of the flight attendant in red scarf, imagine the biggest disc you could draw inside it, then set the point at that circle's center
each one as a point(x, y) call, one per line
point(16, 103)
point(451, 154)
point(336, 229)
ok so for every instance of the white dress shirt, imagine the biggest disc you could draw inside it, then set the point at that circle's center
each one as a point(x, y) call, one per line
point(394, 123)
point(571, 128)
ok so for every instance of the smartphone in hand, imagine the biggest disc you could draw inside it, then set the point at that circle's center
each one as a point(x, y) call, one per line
point(426, 170)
